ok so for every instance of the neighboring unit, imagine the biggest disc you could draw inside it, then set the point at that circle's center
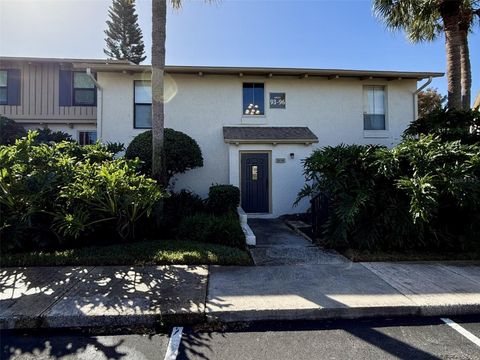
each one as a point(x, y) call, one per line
point(254, 125)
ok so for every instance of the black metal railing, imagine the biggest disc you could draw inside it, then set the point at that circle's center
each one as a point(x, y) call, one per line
point(320, 205)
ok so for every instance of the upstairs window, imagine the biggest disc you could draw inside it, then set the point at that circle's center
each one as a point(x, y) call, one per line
point(10, 87)
point(253, 99)
point(84, 92)
point(374, 108)
point(87, 137)
point(76, 89)
point(142, 111)
point(3, 87)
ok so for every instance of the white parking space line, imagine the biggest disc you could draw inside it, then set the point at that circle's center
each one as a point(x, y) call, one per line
point(462, 331)
point(174, 343)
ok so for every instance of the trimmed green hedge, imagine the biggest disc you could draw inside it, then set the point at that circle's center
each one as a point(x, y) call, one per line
point(208, 228)
point(223, 199)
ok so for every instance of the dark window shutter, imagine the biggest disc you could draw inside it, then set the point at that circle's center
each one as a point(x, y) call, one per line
point(14, 87)
point(65, 87)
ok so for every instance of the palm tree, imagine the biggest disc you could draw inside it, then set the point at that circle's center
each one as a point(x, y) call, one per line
point(159, 30)
point(464, 27)
point(424, 21)
point(428, 27)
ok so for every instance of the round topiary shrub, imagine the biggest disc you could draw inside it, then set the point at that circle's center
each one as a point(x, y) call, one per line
point(182, 153)
point(141, 147)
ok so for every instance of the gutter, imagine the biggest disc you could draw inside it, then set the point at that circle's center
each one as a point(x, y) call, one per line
point(415, 102)
point(89, 73)
point(100, 89)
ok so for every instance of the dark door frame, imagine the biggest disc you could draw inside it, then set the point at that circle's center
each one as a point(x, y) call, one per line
point(270, 178)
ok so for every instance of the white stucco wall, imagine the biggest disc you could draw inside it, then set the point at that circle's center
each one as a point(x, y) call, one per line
point(201, 105)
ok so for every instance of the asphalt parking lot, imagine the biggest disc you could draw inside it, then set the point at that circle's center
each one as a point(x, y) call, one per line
point(403, 338)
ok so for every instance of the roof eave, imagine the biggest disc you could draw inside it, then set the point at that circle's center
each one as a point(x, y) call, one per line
point(271, 141)
point(264, 72)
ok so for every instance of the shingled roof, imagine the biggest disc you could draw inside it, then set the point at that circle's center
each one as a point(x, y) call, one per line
point(268, 134)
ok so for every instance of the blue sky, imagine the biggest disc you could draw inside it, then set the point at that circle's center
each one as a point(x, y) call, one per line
point(294, 33)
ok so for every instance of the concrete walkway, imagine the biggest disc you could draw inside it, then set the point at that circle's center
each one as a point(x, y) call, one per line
point(347, 290)
point(56, 297)
point(277, 244)
point(135, 297)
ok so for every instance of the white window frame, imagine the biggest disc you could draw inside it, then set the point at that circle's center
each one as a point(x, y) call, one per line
point(381, 133)
point(135, 103)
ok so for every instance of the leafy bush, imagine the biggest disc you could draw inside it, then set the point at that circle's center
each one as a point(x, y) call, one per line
point(422, 194)
point(223, 198)
point(449, 125)
point(115, 147)
point(10, 131)
point(209, 228)
point(47, 135)
point(182, 153)
point(65, 195)
point(179, 206)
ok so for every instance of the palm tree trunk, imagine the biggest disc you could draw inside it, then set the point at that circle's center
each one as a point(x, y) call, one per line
point(159, 20)
point(466, 67)
point(450, 12)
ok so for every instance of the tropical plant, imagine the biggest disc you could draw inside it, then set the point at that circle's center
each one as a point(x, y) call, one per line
point(124, 36)
point(422, 194)
point(47, 135)
point(448, 125)
point(66, 195)
point(10, 131)
point(424, 21)
point(115, 147)
point(428, 101)
point(182, 153)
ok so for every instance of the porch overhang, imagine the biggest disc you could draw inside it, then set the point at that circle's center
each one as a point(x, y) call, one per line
point(268, 135)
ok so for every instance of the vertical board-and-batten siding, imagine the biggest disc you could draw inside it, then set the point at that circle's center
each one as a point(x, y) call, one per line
point(40, 96)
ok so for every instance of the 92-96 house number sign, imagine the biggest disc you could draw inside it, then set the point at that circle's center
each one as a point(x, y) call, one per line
point(277, 100)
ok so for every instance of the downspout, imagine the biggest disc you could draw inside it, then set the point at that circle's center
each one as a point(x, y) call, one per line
point(415, 102)
point(100, 89)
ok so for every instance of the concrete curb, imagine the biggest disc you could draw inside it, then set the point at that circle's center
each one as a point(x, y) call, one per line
point(316, 314)
point(154, 321)
point(101, 321)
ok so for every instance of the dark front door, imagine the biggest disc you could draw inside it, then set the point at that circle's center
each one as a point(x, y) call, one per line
point(254, 180)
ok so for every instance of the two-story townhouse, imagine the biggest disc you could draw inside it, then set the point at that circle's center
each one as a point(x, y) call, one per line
point(38, 93)
point(254, 125)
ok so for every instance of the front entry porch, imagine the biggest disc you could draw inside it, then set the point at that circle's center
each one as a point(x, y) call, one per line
point(266, 164)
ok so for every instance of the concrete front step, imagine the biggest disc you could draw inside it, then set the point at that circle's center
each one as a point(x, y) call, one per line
point(295, 255)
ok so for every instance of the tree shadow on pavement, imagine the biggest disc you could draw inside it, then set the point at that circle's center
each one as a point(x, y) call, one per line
point(96, 297)
point(20, 346)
